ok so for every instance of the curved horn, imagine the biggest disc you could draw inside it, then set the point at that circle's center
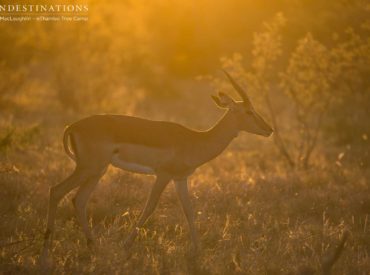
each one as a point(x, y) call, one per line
point(237, 87)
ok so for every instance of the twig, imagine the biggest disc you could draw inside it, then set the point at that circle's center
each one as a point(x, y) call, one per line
point(330, 258)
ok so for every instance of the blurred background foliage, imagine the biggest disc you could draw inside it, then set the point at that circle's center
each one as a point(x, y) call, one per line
point(308, 56)
point(304, 63)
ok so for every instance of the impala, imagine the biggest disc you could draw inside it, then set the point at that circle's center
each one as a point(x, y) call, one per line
point(167, 150)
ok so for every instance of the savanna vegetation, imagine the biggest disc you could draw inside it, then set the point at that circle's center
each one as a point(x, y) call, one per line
point(275, 205)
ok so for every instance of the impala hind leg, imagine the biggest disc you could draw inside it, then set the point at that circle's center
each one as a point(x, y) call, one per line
point(80, 200)
point(152, 201)
point(183, 194)
point(57, 192)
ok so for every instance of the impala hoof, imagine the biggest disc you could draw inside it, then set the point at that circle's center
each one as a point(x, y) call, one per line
point(45, 263)
point(127, 244)
point(90, 243)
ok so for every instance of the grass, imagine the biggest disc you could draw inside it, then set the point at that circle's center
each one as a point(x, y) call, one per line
point(254, 215)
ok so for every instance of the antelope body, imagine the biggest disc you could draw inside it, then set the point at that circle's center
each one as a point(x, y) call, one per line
point(167, 150)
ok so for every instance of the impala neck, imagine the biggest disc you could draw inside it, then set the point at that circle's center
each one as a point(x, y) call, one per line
point(220, 135)
point(225, 129)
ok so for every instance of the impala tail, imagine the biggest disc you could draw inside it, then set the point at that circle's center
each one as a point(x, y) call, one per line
point(67, 137)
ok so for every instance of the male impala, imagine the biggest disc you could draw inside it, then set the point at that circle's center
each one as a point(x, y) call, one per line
point(167, 150)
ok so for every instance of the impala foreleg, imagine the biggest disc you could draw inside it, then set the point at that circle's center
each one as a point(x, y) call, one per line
point(152, 201)
point(183, 194)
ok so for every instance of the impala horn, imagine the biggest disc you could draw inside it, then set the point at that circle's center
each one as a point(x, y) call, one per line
point(237, 87)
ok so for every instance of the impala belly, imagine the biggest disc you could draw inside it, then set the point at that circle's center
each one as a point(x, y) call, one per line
point(133, 167)
point(140, 159)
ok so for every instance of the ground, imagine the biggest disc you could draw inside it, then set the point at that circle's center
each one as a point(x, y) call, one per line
point(254, 214)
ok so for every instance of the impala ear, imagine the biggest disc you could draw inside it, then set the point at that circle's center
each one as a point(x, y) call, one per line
point(217, 100)
point(223, 100)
